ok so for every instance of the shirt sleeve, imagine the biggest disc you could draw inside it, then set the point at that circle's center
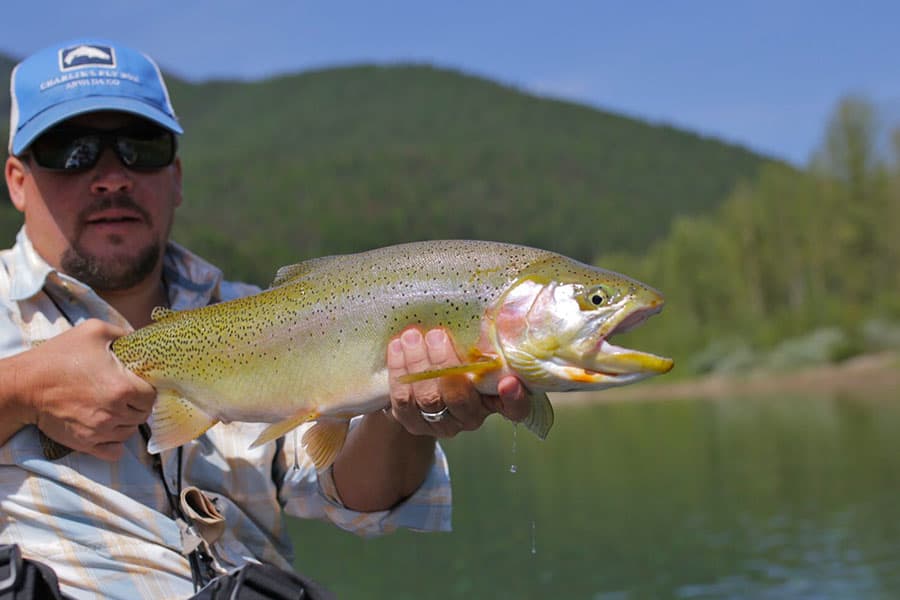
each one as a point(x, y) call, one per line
point(11, 341)
point(307, 494)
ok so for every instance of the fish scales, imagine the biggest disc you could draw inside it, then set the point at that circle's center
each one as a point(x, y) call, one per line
point(312, 347)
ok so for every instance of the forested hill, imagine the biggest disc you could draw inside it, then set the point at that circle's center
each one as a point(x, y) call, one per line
point(350, 158)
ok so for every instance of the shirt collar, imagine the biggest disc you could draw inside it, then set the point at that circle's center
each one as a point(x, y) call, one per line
point(191, 280)
point(29, 270)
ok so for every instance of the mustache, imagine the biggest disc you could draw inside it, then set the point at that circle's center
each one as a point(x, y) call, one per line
point(122, 201)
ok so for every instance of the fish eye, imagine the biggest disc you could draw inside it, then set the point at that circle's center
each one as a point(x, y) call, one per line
point(595, 298)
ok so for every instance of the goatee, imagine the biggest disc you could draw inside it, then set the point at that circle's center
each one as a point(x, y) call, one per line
point(111, 274)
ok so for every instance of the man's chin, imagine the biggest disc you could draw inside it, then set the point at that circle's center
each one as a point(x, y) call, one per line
point(111, 272)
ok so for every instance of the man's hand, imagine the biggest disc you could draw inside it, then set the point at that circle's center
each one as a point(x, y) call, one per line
point(79, 394)
point(411, 352)
point(386, 458)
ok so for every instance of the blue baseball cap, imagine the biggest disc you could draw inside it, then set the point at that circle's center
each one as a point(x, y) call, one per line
point(83, 76)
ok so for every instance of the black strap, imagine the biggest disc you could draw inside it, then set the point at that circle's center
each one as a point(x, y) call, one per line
point(263, 582)
point(26, 579)
point(201, 562)
point(202, 571)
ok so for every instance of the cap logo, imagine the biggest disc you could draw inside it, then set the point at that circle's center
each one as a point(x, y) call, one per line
point(86, 55)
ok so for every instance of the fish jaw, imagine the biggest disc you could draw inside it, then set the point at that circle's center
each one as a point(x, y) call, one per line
point(554, 339)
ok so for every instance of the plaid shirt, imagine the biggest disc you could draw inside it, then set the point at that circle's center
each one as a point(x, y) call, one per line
point(107, 528)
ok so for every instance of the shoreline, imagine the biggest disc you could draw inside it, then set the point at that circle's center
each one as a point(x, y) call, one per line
point(861, 375)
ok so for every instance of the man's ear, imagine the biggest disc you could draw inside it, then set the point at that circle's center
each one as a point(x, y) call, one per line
point(16, 171)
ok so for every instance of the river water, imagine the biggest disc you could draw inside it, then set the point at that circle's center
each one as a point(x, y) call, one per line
point(776, 497)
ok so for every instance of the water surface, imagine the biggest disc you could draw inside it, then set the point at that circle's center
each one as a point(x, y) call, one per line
point(731, 498)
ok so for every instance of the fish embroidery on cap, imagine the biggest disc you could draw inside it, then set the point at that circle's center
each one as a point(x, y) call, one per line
point(86, 55)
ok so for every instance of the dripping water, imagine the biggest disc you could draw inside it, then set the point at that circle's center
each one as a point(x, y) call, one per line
point(512, 467)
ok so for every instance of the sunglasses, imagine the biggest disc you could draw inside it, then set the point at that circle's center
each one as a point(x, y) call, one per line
point(73, 149)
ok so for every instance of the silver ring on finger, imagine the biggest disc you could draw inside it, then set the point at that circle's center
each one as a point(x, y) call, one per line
point(434, 417)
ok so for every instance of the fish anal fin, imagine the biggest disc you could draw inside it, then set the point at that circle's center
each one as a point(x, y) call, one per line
point(276, 430)
point(324, 440)
point(540, 419)
point(175, 420)
point(161, 312)
point(478, 367)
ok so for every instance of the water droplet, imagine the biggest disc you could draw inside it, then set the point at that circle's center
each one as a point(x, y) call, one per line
point(533, 539)
point(512, 467)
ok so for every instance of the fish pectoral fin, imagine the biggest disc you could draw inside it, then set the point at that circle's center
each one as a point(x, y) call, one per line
point(324, 440)
point(276, 430)
point(478, 367)
point(540, 419)
point(175, 420)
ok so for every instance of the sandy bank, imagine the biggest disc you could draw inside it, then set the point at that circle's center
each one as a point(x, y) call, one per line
point(870, 374)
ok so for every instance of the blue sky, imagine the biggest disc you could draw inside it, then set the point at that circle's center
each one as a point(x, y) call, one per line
point(764, 74)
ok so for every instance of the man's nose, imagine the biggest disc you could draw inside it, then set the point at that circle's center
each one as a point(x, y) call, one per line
point(110, 175)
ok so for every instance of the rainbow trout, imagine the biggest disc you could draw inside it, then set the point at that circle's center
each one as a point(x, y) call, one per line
point(313, 346)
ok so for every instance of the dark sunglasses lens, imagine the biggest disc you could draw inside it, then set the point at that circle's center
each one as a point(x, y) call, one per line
point(63, 151)
point(151, 149)
point(73, 150)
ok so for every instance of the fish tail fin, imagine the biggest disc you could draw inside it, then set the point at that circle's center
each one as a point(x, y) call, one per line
point(276, 430)
point(175, 421)
point(324, 440)
point(540, 419)
point(52, 449)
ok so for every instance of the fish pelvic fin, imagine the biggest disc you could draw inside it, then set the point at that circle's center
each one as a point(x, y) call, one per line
point(540, 419)
point(478, 367)
point(175, 420)
point(324, 440)
point(276, 430)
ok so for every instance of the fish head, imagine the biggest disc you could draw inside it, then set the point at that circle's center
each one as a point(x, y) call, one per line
point(554, 324)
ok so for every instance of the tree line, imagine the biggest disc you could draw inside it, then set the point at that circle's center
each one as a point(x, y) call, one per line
point(789, 252)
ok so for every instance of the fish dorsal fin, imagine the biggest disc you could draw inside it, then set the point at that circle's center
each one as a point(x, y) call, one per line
point(289, 273)
point(276, 430)
point(161, 312)
point(478, 367)
point(540, 419)
point(324, 440)
point(175, 421)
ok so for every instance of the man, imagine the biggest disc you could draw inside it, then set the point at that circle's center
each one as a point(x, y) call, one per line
point(93, 168)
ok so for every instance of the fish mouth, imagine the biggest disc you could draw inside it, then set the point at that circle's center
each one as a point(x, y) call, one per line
point(609, 364)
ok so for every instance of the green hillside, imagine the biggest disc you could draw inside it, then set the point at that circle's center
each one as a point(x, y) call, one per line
point(346, 159)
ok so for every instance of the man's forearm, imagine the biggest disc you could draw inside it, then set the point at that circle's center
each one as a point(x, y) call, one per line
point(381, 464)
point(13, 414)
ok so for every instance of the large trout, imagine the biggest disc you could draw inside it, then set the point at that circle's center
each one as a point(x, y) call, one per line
point(313, 346)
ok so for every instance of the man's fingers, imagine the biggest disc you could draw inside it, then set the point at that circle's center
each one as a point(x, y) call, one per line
point(513, 401)
point(427, 393)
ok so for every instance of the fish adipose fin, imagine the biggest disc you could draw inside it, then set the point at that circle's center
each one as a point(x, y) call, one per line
point(324, 440)
point(540, 420)
point(289, 273)
point(161, 312)
point(276, 430)
point(478, 367)
point(175, 421)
